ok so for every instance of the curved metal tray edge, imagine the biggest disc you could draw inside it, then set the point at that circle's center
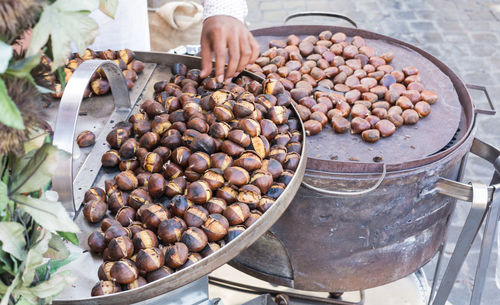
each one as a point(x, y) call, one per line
point(226, 253)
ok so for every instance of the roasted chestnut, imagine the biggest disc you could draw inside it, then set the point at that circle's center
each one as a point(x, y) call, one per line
point(138, 198)
point(96, 241)
point(236, 175)
point(194, 238)
point(191, 260)
point(85, 138)
point(117, 137)
point(124, 271)
point(158, 274)
point(199, 192)
point(215, 205)
point(114, 231)
point(176, 255)
point(215, 227)
point(94, 210)
point(110, 158)
point(94, 193)
point(125, 215)
point(233, 232)
point(144, 239)
point(129, 148)
point(152, 215)
point(175, 187)
point(152, 162)
point(179, 204)
point(156, 185)
point(214, 177)
point(236, 213)
point(120, 247)
point(150, 259)
point(209, 249)
point(220, 160)
point(195, 216)
point(104, 288)
point(254, 216)
point(108, 222)
point(170, 230)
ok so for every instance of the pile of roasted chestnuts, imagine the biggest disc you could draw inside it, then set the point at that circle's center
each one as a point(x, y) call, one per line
point(355, 89)
point(200, 163)
point(99, 85)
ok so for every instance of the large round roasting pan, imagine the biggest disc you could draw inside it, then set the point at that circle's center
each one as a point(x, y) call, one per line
point(85, 267)
point(356, 225)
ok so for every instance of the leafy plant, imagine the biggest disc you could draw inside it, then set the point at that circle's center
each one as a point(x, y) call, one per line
point(34, 226)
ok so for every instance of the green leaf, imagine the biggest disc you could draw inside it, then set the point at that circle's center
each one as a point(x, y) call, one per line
point(8, 263)
point(54, 265)
point(50, 288)
point(12, 238)
point(22, 68)
point(108, 7)
point(5, 55)
point(65, 22)
point(48, 214)
point(38, 172)
point(61, 77)
point(35, 256)
point(57, 248)
point(71, 237)
point(3, 196)
point(9, 114)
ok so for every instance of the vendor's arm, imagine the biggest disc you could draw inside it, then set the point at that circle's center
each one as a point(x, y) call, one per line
point(224, 31)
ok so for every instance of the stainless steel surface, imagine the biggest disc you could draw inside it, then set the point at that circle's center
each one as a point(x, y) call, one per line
point(490, 111)
point(348, 193)
point(79, 294)
point(485, 204)
point(64, 130)
point(469, 232)
point(194, 293)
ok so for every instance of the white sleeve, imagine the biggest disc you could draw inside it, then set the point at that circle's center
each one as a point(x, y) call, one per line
point(234, 8)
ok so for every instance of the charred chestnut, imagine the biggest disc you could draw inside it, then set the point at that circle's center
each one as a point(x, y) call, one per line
point(94, 210)
point(195, 239)
point(176, 255)
point(150, 259)
point(124, 271)
point(120, 247)
point(237, 213)
point(195, 216)
point(96, 241)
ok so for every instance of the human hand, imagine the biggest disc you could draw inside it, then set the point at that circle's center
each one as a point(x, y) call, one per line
point(221, 33)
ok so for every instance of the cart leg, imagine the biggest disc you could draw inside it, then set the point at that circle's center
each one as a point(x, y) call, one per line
point(437, 271)
point(465, 240)
point(490, 229)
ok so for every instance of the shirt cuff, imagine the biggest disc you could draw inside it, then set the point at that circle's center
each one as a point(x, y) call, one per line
point(234, 8)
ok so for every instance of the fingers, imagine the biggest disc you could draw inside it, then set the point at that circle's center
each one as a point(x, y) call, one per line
point(206, 57)
point(255, 50)
point(246, 52)
point(234, 56)
point(220, 58)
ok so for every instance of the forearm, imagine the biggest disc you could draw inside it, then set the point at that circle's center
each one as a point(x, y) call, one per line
point(234, 8)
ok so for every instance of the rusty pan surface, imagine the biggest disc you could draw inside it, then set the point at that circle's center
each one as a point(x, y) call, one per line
point(408, 143)
point(85, 267)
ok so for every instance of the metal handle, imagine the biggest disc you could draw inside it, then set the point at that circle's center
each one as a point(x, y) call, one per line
point(484, 206)
point(491, 111)
point(69, 107)
point(351, 193)
point(324, 14)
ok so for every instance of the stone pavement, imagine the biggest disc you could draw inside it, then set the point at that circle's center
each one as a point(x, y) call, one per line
point(463, 34)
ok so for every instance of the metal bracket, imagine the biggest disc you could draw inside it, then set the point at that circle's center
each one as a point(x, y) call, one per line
point(69, 107)
point(485, 205)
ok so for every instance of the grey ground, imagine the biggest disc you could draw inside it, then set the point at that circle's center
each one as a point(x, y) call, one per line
point(463, 34)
